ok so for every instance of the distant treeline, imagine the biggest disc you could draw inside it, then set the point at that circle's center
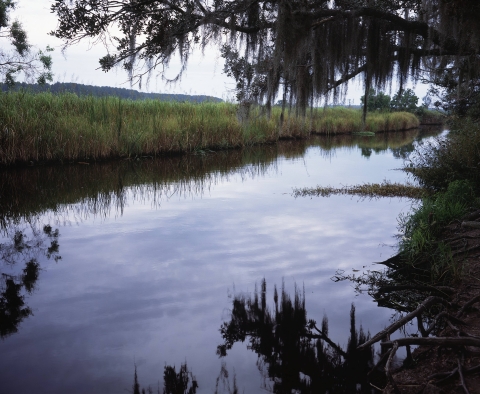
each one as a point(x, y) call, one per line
point(103, 91)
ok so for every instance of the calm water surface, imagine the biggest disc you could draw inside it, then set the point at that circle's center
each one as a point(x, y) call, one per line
point(153, 252)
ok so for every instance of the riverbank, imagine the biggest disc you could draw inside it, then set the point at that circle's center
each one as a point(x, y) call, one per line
point(454, 367)
point(436, 276)
point(46, 127)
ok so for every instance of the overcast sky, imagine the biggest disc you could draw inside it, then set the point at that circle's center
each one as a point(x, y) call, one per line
point(80, 62)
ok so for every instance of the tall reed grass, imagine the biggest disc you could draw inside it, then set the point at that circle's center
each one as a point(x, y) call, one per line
point(341, 120)
point(44, 127)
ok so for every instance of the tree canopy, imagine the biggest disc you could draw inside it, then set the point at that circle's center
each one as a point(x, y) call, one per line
point(16, 54)
point(304, 49)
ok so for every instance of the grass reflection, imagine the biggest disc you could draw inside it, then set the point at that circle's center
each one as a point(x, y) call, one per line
point(97, 188)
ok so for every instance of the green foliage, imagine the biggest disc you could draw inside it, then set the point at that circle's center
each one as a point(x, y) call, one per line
point(405, 100)
point(419, 245)
point(19, 38)
point(377, 101)
point(20, 59)
point(5, 7)
point(447, 159)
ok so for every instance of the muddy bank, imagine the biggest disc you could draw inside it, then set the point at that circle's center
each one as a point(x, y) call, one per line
point(453, 367)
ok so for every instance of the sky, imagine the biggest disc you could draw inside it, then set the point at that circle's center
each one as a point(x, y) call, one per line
point(79, 63)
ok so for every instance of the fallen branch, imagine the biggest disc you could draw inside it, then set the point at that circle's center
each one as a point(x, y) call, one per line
point(472, 216)
point(435, 341)
point(461, 236)
point(471, 224)
point(395, 326)
point(465, 250)
point(443, 376)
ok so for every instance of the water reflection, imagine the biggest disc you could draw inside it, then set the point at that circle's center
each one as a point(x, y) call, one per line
point(96, 189)
point(400, 143)
point(147, 285)
point(181, 382)
point(295, 355)
point(19, 273)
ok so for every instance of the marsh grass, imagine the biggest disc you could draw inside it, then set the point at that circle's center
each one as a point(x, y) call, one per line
point(367, 190)
point(48, 127)
point(340, 120)
point(420, 245)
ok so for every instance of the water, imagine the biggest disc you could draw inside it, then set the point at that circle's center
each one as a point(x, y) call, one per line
point(154, 251)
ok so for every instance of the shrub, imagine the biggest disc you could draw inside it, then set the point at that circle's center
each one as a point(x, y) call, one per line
point(454, 157)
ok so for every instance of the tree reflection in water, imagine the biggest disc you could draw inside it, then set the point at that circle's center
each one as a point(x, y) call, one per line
point(293, 353)
point(181, 382)
point(22, 251)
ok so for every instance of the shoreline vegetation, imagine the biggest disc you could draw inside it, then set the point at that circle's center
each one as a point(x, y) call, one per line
point(434, 277)
point(47, 127)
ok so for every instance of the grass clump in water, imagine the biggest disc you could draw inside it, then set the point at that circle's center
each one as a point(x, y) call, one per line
point(367, 190)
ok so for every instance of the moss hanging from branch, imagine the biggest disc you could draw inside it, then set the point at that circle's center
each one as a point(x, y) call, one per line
point(313, 47)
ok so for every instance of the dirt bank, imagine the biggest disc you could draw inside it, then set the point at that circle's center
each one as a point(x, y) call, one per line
point(451, 369)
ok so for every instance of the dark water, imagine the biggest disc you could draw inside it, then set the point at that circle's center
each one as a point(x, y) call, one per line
point(150, 254)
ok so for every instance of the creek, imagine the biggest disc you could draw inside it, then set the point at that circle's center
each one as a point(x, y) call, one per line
point(149, 255)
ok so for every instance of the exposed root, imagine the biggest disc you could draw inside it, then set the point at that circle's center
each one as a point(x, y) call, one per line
point(459, 342)
point(399, 323)
point(469, 304)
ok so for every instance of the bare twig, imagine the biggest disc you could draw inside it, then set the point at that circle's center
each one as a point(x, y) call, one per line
point(434, 322)
point(449, 375)
point(420, 326)
point(381, 361)
point(474, 300)
point(328, 340)
point(439, 289)
point(387, 368)
point(462, 380)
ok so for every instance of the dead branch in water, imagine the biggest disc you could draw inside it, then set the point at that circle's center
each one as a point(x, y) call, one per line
point(399, 323)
